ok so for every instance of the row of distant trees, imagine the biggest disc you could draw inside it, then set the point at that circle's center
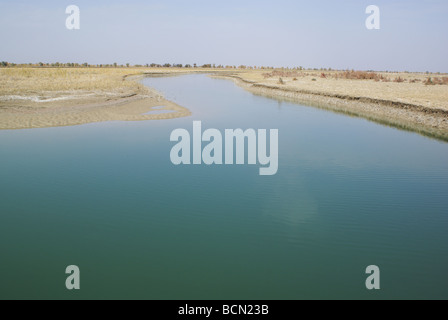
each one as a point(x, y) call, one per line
point(152, 65)
point(5, 64)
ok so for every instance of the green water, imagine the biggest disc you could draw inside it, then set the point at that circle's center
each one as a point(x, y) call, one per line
point(348, 194)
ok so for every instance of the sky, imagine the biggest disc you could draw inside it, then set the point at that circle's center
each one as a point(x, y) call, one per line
point(281, 33)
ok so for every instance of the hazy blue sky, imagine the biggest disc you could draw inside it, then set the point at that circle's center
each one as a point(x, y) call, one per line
point(319, 33)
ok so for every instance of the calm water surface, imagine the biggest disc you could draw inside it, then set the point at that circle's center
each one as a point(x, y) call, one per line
point(105, 197)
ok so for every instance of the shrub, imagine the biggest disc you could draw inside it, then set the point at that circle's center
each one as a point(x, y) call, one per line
point(399, 80)
point(440, 81)
point(280, 81)
point(429, 82)
point(359, 75)
point(284, 74)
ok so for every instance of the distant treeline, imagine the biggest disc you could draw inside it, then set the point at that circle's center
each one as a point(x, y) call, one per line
point(5, 64)
point(152, 65)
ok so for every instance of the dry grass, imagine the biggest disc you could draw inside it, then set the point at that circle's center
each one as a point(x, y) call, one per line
point(411, 88)
point(284, 74)
point(22, 81)
point(355, 75)
point(359, 75)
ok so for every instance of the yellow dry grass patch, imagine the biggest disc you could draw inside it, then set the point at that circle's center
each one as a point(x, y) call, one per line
point(22, 81)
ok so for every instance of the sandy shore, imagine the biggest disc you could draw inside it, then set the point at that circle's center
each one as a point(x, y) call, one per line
point(123, 100)
point(137, 108)
point(406, 106)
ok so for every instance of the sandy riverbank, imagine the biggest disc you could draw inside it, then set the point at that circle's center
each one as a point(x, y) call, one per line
point(39, 98)
point(137, 108)
point(410, 105)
